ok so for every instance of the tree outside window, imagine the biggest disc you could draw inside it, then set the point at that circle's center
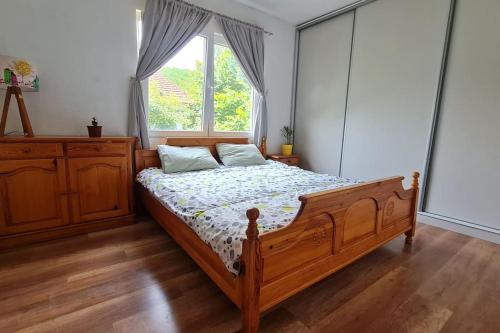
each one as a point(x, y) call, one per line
point(177, 91)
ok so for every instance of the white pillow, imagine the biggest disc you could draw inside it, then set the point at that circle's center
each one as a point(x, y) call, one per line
point(240, 154)
point(179, 159)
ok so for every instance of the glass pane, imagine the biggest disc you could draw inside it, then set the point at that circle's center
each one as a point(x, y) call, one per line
point(176, 90)
point(232, 93)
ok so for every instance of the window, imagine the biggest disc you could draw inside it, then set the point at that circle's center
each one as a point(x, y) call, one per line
point(202, 91)
point(176, 91)
point(232, 93)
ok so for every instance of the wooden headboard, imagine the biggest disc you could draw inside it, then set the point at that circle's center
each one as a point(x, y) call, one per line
point(148, 158)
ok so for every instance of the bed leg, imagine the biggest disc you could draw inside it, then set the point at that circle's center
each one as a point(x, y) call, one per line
point(415, 186)
point(252, 275)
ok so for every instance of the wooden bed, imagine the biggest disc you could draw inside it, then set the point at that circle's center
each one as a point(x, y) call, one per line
point(332, 229)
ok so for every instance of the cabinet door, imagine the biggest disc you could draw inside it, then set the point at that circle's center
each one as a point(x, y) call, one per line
point(99, 187)
point(32, 195)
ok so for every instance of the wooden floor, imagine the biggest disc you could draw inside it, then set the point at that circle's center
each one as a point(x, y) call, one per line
point(136, 279)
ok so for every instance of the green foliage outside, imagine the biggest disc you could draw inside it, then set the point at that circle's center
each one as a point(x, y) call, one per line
point(232, 93)
point(232, 97)
point(170, 112)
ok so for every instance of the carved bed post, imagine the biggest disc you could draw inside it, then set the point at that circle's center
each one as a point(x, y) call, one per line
point(252, 275)
point(263, 146)
point(410, 233)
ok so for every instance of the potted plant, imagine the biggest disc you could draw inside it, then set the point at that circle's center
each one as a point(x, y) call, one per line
point(94, 130)
point(287, 148)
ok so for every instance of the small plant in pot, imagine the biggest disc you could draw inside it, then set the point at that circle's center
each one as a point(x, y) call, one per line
point(287, 148)
point(95, 131)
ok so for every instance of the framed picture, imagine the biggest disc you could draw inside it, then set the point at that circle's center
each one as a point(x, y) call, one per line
point(18, 72)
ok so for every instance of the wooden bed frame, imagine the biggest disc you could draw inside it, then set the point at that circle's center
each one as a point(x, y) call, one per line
point(332, 229)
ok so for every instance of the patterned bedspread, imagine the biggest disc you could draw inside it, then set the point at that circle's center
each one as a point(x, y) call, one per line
point(214, 202)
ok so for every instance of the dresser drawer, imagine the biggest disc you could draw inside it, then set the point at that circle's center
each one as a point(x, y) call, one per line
point(96, 149)
point(30, 150)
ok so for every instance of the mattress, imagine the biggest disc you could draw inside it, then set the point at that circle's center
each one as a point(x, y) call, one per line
point(214, 202)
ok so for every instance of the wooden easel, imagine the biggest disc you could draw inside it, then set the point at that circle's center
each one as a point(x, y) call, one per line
point(25, 120)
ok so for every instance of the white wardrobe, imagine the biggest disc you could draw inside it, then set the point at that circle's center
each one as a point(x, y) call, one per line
point(323, 69)
point(366, 96)
point(464, 178)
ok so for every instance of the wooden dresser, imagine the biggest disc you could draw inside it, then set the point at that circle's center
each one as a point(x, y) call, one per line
point(53, 187)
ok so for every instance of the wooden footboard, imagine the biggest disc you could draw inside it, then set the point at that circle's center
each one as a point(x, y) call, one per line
point(332, 229)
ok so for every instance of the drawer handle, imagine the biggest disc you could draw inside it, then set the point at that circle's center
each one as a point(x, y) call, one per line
point(26, 150)
point(116, 207)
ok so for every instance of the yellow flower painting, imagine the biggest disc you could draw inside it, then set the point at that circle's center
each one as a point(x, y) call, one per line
point(16, 72)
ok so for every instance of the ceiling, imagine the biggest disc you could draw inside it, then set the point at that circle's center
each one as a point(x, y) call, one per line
point(296, 11)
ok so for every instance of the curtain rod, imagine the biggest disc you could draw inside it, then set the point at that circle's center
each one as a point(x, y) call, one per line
point(224, 16)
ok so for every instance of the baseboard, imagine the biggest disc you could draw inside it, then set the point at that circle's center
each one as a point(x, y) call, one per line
point(456, 226)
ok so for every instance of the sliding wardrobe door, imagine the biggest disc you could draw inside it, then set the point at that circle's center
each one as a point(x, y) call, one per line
point(323, 70)
point(396, 59)
point(465, 165)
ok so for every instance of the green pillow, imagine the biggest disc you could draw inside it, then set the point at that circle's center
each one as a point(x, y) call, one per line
point(239, 155)
point(179, 159)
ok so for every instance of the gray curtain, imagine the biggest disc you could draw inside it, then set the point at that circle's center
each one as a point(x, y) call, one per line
point(247, 43)
point(168, 25)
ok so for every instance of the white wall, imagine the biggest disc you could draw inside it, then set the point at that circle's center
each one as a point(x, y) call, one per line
point(86, 53)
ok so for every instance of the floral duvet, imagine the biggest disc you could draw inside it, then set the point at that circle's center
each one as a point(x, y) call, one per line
point(214, 202)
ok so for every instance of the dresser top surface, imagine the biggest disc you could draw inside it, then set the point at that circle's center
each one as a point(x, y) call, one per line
point(62, 139)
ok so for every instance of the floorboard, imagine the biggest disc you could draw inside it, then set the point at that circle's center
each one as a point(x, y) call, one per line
point(136, 279)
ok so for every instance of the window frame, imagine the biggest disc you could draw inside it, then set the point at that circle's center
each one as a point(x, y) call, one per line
point(212, 36)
